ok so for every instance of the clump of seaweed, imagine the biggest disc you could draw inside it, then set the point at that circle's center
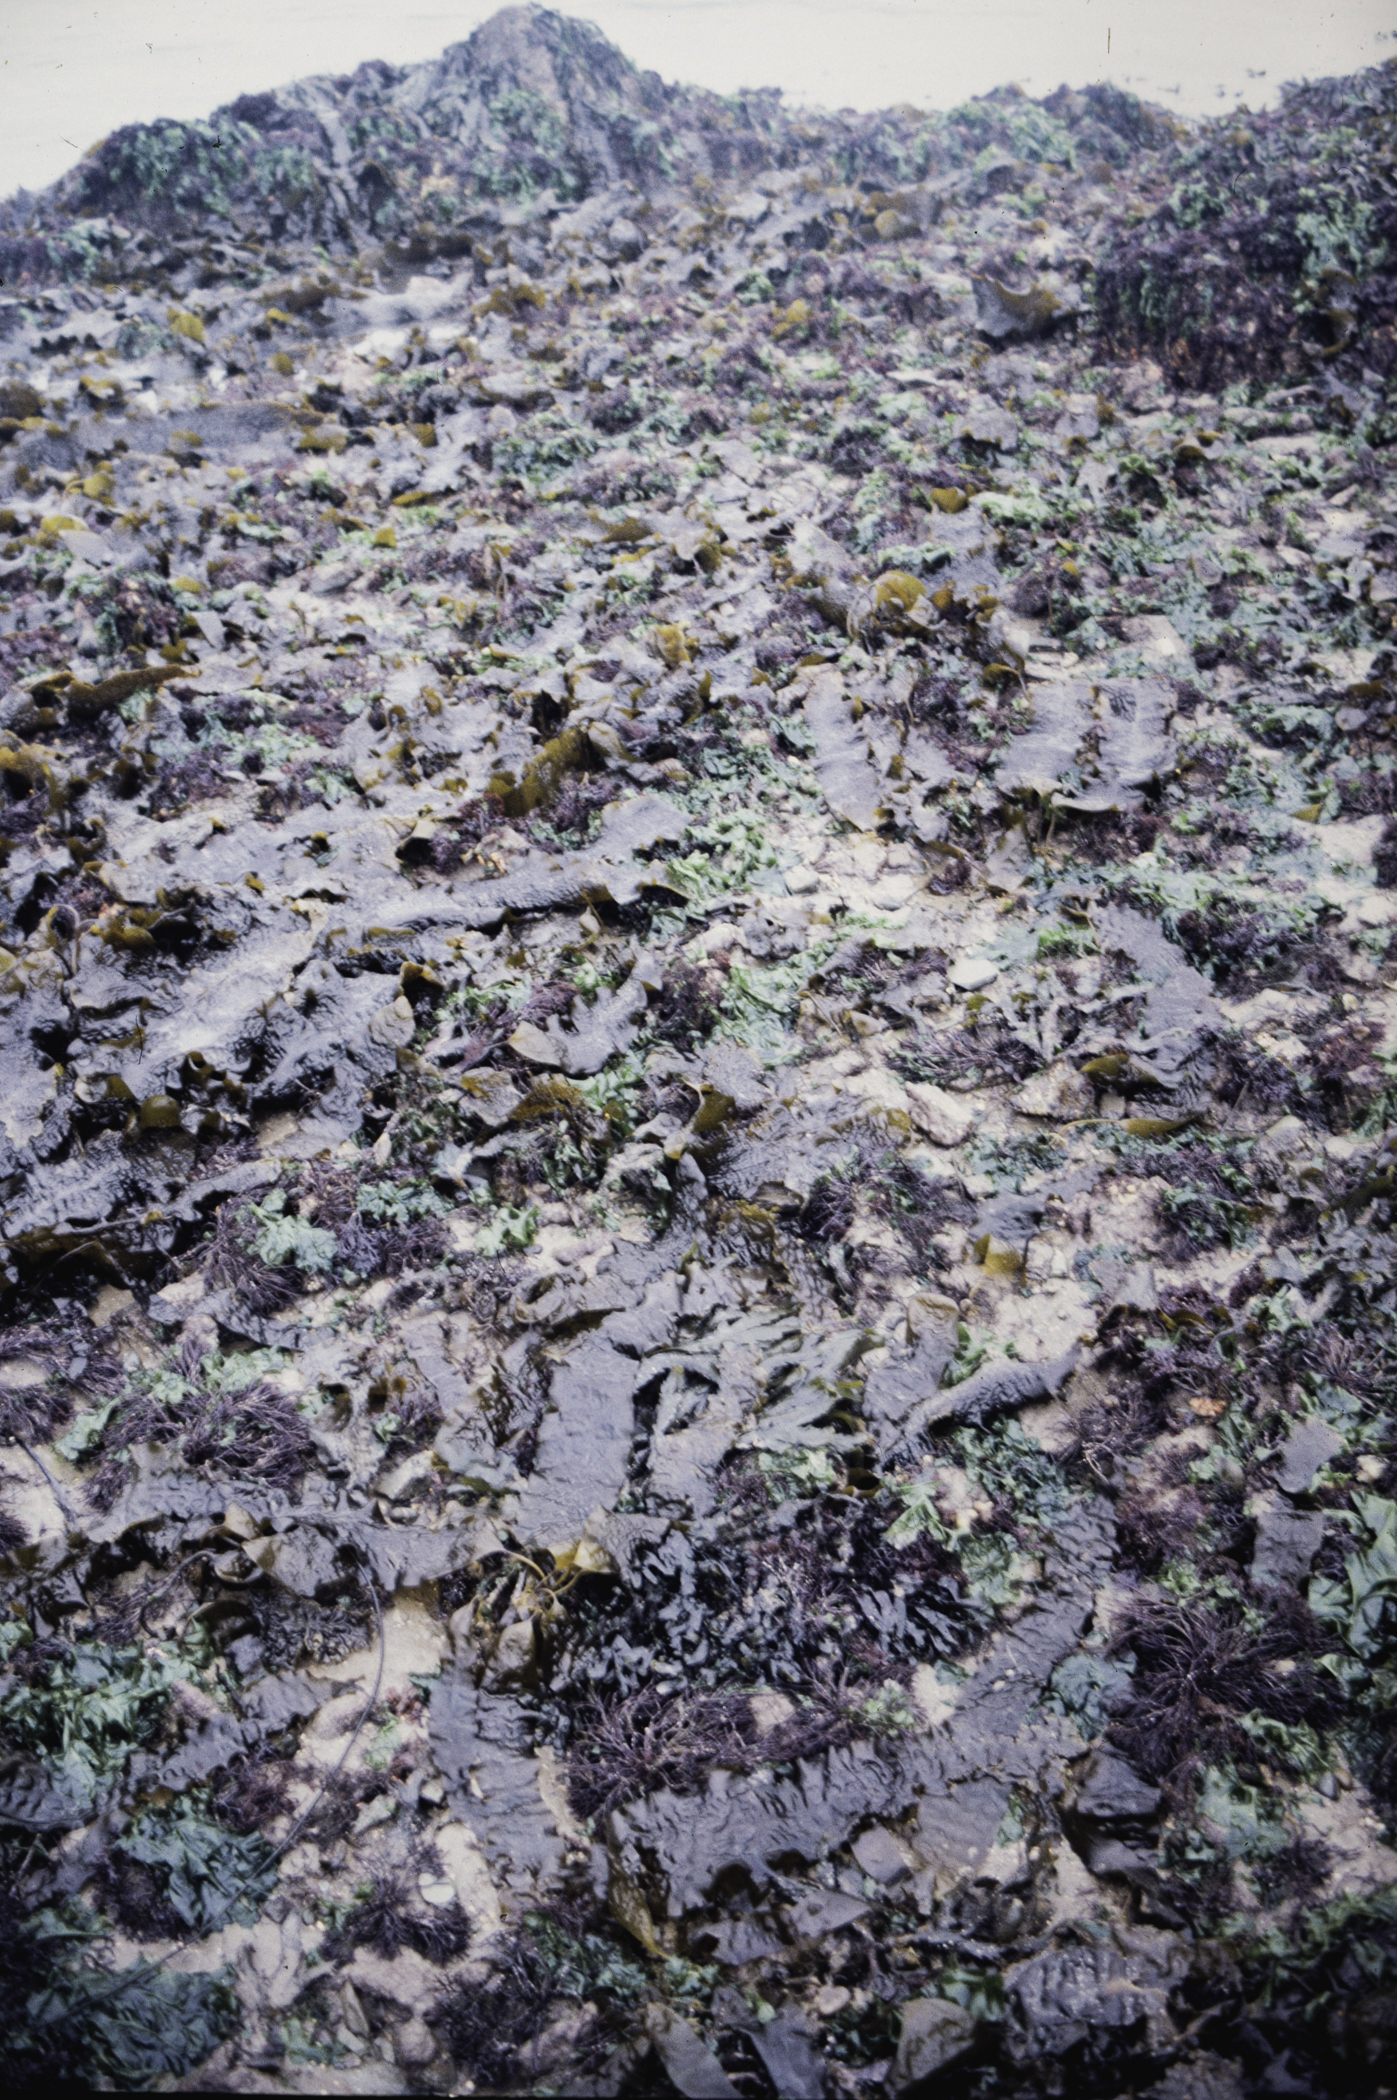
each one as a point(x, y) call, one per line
point(462, 834)
point(984, 1050)
point(1207, 1203)
point(235, 1428)
point(687, 1009)
point(1201, 1664)
point(567, 1954)
point(389, 1919)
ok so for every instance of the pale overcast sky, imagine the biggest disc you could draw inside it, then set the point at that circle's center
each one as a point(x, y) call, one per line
point(70, 73)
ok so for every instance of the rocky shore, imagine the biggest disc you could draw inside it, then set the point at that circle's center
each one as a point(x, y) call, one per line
point(697, 978)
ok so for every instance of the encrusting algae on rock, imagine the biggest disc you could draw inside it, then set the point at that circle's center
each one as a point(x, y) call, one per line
point(697, 983)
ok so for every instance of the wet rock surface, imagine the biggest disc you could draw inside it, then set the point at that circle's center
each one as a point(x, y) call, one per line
point(697, 993)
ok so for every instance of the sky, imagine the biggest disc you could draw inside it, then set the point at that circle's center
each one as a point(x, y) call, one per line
point(70, 73)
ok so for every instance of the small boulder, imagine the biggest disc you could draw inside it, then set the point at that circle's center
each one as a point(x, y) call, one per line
point(972, 973)
point(690, 2065)
point(880, 1856)
point(1061, 1093)
point(1287, 1540)
point(414, 2044)
point(1156, 637)
point(1111, 1792)
point(1310, 1445)
point(943, 1117)
point(935, 2033)
point(988, 425)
